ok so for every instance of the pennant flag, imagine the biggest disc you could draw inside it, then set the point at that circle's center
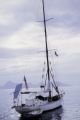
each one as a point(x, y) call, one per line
point(26, 85)
point(56, 54)
point(17, 90)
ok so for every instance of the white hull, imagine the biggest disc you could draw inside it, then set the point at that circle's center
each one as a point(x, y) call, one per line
point(45, 106)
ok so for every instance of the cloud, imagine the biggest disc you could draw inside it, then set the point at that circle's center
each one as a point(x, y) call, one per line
point(15, 14)
point(12, 16)
point(21, 37)
point(65, 14)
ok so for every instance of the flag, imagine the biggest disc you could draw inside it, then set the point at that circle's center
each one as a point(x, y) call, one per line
point(56, 54)
point(17, 90)
point(26, 85)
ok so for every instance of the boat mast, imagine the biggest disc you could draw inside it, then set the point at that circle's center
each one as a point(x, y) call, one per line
point(47, 53)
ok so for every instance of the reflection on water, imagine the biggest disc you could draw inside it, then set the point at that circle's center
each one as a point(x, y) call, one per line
point(52, 115)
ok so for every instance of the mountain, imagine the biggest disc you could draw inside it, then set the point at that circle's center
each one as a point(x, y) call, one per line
point(8, 85)
point(12, 85)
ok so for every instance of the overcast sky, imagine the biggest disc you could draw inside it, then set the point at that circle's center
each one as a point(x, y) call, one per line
point(22, 37)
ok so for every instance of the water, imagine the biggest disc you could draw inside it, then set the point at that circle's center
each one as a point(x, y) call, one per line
point(69, 111)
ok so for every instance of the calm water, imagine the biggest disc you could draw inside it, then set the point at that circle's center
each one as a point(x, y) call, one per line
point(69, 111)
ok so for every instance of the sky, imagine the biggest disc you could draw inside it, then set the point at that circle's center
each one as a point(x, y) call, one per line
point(22, 39)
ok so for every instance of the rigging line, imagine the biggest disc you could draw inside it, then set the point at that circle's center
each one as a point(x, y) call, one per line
point(53, 80)
point(56, 87)
point(45, 79)
point(53, 85)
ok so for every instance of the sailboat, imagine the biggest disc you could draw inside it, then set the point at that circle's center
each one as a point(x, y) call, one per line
point(44, 101)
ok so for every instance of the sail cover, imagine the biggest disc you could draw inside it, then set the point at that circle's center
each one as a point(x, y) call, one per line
point(17, 90)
